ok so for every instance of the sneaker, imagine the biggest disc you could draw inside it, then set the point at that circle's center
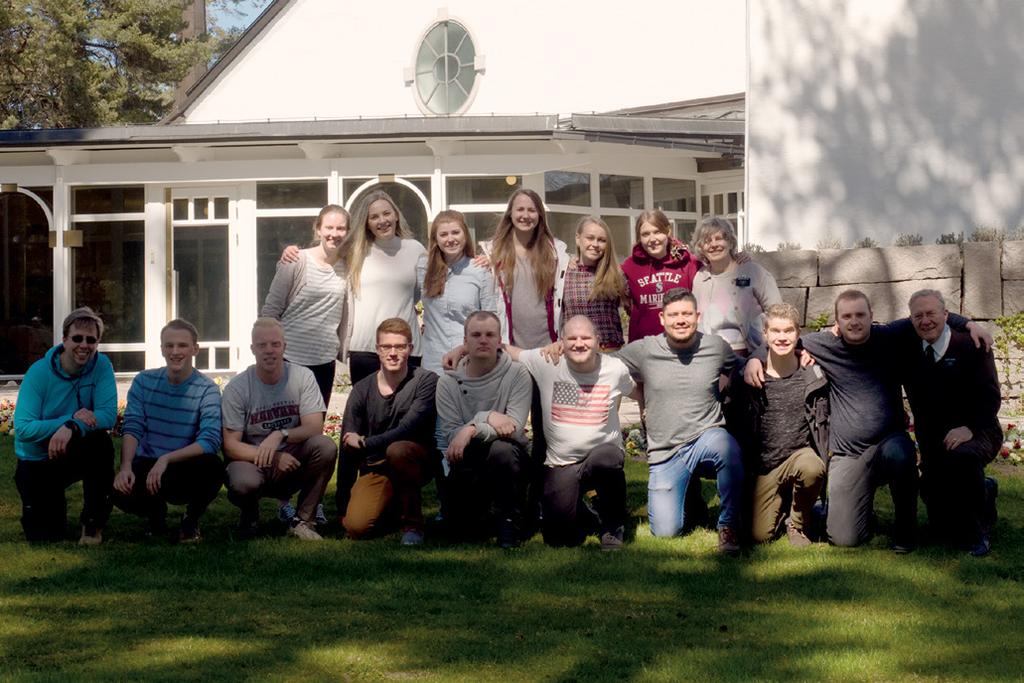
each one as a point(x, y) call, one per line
point(91, 536)
point(412, 537)
point(286, 512)
point(320, 518)
point(611, 541)
point(903, 547)
point(728, 544)
point(797, 537)
point(189, 530)
point(508, 534)
point(304, 531)
point(981, 548)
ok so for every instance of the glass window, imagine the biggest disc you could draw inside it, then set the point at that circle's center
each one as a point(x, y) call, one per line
point(423, 185)
point(126, 361)
point(567, 187)
point(563, 225)
point(201, 262)
point(445, 72)
point(109, 277)
point(202, 208)
point(272, 236)
point(719, 205)
point(291, 195)
point(180, 212)
point(26, 288)
point(220, 208)
point(685, 230)
point(622, 192)
point(482, 224)
point(482, 190)
point(108, 199)
point(350, 185)
point(622, 235)
point(732, 202)
point(675, 195)
point(705, 204)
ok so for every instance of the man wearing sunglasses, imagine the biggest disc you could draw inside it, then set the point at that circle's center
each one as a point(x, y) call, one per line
point(387, 439)
point(66, 405)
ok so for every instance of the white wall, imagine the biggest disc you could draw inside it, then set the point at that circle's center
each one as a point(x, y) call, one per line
point(872, 118)
point(334, 58)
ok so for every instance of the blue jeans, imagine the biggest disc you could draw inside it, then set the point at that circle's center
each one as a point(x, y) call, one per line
point(714, 454)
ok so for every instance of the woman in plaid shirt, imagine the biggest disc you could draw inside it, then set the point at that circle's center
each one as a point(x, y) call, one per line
point(594, 284)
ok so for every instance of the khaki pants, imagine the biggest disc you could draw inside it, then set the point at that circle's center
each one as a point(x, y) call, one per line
point(407, 467)
point(804, 471)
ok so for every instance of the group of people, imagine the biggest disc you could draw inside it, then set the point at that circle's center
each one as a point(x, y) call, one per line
point(525, 329)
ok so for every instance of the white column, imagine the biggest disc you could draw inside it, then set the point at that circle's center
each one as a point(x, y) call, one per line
point(62, 266)
point(157, 258)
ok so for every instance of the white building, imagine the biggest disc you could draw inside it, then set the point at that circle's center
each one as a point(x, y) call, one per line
point(864, 118)
point(322, 101)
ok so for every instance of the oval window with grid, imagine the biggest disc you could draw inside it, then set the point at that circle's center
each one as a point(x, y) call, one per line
point(445, 72)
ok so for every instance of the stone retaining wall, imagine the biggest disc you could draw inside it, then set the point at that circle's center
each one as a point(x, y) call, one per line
point(981, 280)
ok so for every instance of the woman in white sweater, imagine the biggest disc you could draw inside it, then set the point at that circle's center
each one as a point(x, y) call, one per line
point(381, 256)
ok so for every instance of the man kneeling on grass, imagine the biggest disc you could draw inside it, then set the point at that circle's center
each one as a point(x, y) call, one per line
point(273, 416)
point(387, 443)
point(783, 431)
point(580, 399)
point(171, 438)
point(481, 410)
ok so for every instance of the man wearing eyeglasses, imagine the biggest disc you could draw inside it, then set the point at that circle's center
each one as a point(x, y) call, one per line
point(66, 405)
point(273, 421)
point(387, 436)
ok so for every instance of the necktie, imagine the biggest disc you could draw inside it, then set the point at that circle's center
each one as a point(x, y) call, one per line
point(929, 353)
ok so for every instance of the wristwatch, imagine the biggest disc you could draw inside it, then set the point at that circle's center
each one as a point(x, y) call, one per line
point(284, 434)
point(73, 426)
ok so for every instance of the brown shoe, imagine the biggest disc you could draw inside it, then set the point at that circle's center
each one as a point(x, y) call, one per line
point(797, 537)
point(727, 541)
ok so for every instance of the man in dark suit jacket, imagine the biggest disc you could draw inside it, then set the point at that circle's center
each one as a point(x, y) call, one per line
point(954, 394)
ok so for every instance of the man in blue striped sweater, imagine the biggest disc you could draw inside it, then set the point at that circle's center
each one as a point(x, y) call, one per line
point(172, 433)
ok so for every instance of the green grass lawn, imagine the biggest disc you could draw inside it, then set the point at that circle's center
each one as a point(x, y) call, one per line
point(662, 609)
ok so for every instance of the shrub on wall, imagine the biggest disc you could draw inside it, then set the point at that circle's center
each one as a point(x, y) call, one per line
point(904, 239)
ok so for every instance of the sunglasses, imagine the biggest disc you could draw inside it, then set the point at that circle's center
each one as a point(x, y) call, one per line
point(79, 338)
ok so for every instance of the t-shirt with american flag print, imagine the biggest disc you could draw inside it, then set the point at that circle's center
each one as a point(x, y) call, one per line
point(580, 410)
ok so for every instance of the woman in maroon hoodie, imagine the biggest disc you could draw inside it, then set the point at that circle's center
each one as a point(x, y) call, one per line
point(659, 262)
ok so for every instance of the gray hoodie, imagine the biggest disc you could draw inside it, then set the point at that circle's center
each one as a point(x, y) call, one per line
point(463, 400)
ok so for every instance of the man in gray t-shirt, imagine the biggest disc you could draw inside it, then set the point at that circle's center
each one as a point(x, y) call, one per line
point(273, 434)
point(680, 371)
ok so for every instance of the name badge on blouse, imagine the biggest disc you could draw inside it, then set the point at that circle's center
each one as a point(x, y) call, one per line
point(742, 282)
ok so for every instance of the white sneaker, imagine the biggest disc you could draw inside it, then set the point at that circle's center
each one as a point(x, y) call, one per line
point(304, 531)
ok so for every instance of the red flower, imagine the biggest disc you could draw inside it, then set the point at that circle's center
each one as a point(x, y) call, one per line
point(1011, 426)
point(1004, 451)
point(1016, 443)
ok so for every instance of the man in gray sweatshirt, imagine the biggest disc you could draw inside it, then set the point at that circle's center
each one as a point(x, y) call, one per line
point(481, 410)
point(681, 371)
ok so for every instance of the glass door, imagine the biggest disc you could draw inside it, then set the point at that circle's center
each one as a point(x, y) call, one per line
point(201, 227)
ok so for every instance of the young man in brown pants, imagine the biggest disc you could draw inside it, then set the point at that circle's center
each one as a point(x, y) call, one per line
point(387, 442)
point(783, 431)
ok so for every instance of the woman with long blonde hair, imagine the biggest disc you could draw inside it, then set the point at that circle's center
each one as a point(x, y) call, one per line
point(594, 284)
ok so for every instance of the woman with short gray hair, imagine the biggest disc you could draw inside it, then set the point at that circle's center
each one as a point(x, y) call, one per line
point(731, 296)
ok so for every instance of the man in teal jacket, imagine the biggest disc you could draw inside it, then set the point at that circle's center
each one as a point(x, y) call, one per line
point(66, 405)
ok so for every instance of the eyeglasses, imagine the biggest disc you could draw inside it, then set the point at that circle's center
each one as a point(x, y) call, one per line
point(387, 348)
point(79, 338)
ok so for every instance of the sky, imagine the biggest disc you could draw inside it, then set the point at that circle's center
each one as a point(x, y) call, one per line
point(241, 15)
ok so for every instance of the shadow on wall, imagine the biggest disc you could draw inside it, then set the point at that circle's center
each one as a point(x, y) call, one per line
point(871, 119)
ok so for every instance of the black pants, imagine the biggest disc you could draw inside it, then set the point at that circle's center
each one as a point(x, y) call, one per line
point(566, 516)
point(953, 485)
point(364, 363)
point(490, 475)
point(324, 374)
point(194, 483)
point(42, 485)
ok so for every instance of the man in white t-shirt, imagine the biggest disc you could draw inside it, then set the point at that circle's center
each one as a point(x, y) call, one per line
point(580, 400)
point(273, 421)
